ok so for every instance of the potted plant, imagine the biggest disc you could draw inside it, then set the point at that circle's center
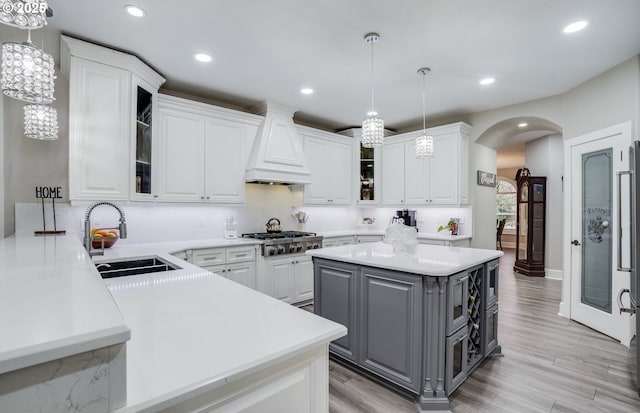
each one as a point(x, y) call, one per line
point(451, 226)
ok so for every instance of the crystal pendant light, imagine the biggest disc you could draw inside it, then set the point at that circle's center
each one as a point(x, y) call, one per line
point(373, 126)
point(27, 72)
point(40, 122)
point(424, 142)
point(24, 14)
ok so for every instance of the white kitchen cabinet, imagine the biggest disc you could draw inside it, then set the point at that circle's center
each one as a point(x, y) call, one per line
point(102, 119)
point(99, 131)
point(337, 241)
point(224, 161)
point(291, 277)
point(432, 181)
point(143, 151)
point(440, 180)
point(235, 263)
point(180, 172)
point(367, 169)
point(202, 151)
point(330, 159)
point(295, 383)
point(393, 171)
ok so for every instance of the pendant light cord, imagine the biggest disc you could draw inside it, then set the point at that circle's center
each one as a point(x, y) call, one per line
point(424, 111)
point(372, 90)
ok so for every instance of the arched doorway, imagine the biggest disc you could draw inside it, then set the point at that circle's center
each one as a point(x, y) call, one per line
point(535, 143)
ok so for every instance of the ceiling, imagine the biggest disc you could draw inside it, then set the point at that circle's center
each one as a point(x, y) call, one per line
point(271, 49)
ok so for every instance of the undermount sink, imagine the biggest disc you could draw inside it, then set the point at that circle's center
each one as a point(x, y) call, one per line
point(122, 268)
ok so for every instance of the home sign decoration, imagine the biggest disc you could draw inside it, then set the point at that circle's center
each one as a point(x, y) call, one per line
point(487, 179)
point(52, 193)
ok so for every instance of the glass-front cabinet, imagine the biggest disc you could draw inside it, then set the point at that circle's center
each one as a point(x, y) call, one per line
point(367, 171)
point(530, 223)
point(367, 177)
point(143, 104)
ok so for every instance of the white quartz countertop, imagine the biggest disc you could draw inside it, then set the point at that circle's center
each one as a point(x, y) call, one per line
point(53, 303)
point(443, 236)
point(432, 260)
point(193, 331)
point(189, 330)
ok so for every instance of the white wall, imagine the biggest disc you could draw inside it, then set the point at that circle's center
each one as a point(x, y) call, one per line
point(605, 100)
point(27, 162)
point(544, 157)
point(483, 198)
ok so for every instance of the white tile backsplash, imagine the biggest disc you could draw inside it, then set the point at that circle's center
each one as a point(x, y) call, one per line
point(155, 222)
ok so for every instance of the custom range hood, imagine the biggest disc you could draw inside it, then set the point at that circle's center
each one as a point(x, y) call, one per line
point(276, 156)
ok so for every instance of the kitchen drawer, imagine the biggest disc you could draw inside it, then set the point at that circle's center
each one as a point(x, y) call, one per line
point(216, 269)
point(430, 241)
point(369, 238)
point(337, 241)
point(209, 256)
point(240, 254)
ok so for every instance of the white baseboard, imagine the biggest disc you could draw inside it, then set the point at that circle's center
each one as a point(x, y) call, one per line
point(508, 245)
point(553, 274)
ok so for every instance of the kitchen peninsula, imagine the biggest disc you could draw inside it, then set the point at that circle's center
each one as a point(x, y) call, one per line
point(420, 321)
point(177, 341)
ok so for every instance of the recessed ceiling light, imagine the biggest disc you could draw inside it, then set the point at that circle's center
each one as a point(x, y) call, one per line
point(575, 26)
point(487, 81)
point(135, 11)
point(202, 57)
point(306, 91)
point(523, 124)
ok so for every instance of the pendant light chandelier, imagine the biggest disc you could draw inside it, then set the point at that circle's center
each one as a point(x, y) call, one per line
point(24, 14)
point(424, 142)
point(27, 72)
point(40, 122)
point(372, 127)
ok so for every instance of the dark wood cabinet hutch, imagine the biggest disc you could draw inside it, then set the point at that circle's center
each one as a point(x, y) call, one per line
point(530, 223)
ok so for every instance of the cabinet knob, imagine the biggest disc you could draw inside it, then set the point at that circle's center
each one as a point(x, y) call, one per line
point(202, 197)
point(208, 198)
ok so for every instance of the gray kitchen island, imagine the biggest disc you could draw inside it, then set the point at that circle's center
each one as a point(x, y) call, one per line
point(420, 321)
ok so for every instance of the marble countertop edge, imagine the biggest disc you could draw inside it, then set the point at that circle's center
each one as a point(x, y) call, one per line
point(69, 346)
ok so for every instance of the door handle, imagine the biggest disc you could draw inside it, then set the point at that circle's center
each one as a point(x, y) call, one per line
point(620, 306)
point(575, 242)
point(619, 175)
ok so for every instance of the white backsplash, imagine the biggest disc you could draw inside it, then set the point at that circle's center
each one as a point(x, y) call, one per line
point(151, 222)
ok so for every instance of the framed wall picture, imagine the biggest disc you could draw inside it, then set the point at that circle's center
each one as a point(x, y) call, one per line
point(487, 179)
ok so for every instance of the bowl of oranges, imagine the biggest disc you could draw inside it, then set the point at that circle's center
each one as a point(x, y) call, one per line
point(109, 237)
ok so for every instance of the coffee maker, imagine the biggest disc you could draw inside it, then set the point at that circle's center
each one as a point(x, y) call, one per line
point(408, 216)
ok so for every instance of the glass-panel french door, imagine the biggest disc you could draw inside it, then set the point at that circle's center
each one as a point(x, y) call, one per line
point(595, 279)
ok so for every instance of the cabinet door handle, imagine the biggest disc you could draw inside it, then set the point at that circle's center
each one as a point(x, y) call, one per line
point(461, 280)
point(155, 196)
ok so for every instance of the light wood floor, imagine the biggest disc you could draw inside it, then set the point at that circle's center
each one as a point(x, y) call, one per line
point(550, 364)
